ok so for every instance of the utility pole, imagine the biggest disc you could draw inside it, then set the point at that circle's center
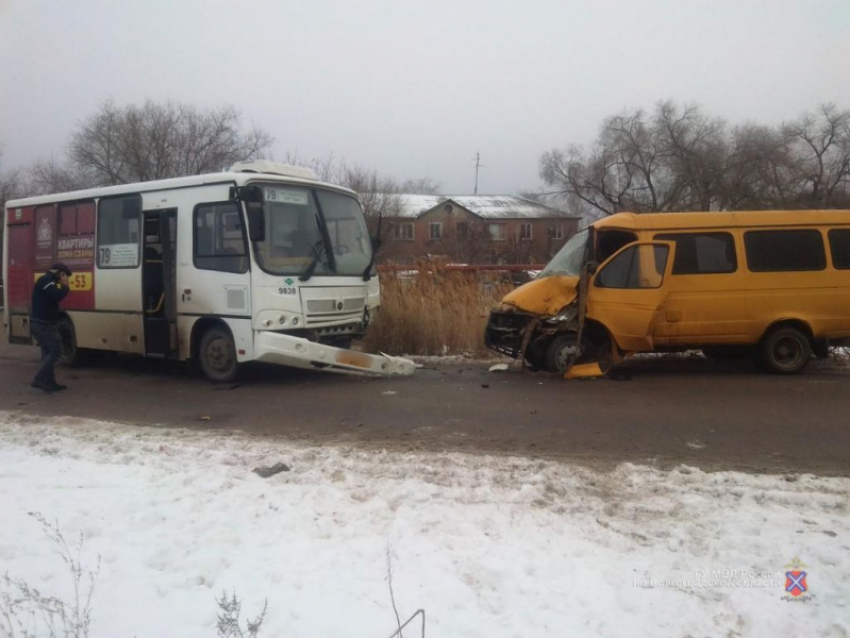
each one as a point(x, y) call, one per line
point(477, 166)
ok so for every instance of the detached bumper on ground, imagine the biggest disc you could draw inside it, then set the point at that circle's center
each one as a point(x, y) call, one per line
point(296, 352)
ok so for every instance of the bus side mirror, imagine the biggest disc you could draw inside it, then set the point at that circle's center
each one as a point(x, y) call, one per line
point(256, 221)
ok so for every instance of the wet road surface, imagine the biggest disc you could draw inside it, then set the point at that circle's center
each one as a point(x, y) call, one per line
point(663, 411)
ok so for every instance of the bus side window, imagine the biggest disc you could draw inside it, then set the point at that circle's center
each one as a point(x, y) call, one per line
point(219, 241)
point(118, 231)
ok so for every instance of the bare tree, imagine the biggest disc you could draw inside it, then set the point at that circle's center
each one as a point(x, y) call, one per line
point(10, 188)
point(680, 159)
point(759, 170)
point(121, 145)
point(420, 186)
point(471, 243)
point(49, 176)
point(693, 153)
point(379, 195)
point(821, 145)
point(10, 184)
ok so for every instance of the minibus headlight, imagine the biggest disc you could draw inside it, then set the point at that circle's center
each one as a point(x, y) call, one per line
point(566, 314)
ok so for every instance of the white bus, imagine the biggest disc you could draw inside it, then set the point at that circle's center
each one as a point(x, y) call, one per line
point(259, 263)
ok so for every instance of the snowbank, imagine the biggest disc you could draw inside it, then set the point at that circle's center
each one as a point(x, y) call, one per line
point(488, 546)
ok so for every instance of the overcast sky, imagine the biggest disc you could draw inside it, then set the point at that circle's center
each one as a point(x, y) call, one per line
point(415, 89)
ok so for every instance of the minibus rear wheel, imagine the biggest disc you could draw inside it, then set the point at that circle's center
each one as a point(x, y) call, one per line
point(217, 355)
point(785, 351)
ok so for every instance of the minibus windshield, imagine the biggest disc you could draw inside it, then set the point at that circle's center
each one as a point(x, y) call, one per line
point(294, 237)
point(569, 259)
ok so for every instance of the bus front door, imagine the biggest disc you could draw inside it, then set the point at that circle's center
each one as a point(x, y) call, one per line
point(159, 282)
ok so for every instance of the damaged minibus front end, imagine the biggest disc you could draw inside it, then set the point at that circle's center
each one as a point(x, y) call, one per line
point(543, 322)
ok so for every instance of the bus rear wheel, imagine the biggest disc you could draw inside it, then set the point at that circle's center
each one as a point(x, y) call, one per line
point(217, 356)
point(785, 351)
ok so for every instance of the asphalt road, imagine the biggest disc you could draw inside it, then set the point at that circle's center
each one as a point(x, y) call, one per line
point(664, 411)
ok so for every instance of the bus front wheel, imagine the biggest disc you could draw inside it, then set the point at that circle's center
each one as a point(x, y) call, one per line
point(217, 356)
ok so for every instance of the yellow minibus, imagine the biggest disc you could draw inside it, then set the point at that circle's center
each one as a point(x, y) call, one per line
point(771, 284)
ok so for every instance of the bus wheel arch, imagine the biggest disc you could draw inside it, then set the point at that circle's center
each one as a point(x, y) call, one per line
point(214, 350)
point(786, 347)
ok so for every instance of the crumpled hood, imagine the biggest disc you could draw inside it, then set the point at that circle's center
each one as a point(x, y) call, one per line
point(544, 296)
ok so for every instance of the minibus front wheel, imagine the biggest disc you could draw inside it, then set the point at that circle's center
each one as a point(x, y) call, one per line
point(562, 353)
point(217, 355)
point(785, 351)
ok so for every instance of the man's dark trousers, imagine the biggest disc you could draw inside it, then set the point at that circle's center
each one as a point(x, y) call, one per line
point(45, 334)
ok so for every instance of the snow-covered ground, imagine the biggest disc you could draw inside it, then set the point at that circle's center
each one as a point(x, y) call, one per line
point(489, 546)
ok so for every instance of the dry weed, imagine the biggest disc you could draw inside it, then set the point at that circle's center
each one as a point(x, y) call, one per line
point(434, 311)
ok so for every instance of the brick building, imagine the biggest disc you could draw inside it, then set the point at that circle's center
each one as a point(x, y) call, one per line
point(474, 229)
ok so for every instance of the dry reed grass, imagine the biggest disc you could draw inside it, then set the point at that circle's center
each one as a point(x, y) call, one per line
point(432, 311)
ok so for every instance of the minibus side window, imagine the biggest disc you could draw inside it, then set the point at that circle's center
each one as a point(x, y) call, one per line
point(610, 241)
point(640, 266)
point(839, 245)
point(784, 250)
point(702, 253)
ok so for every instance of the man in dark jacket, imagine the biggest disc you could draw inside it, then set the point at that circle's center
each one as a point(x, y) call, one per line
point(50, 289)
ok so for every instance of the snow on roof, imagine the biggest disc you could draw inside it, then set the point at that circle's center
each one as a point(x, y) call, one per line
point(415, 205)
point(485, 206)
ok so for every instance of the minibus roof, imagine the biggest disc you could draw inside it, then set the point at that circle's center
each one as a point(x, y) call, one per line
point(734, 219)
point(235, 178)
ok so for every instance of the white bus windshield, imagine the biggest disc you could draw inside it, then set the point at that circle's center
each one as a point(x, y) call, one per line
point(569, 259)
point(347, 230)
point(294, 237)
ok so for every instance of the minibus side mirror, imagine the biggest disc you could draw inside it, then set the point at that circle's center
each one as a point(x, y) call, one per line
point(256, 221)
